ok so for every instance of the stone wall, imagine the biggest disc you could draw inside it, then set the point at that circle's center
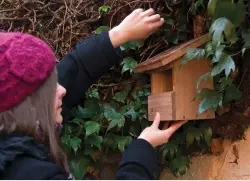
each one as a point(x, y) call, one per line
point(233, 163)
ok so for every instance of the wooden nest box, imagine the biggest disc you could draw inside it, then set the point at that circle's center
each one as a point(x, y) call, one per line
point(173, 88)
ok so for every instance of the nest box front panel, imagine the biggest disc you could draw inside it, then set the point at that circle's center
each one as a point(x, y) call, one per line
point(173, 90)
point(162, 103)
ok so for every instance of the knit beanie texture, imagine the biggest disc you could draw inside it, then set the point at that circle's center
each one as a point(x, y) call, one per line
point(25, 63)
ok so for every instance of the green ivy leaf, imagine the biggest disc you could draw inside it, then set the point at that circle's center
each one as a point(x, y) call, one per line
point(75, 143)
point(94, 140)
point(210, 48)
point(171, 149)
point(129, 45)
point(115, 118)
point(88, 151)
point(210, 102)
point(231, 94)
point(208, 135)
point(135, 129)
point(109, 141)
point(104, 9)
point(118, 120)
point(93, 93)
point(203, 77)
point(78, 166)
point(128, 64)
point(218, 27)
point(226, 63)
point(211, 99)
point(85, 112)
point(211, 7)
point(218, 53)
point(193, 134)
point(65, 139)
point(77, 121)
point(121, 96)
point(224, 82)
point(203, 93)
point(92, 127)
point(102, 29)
point(189, 139)
point(123, 141)
point(132, 113)
point(178, 164)
point(76, 113)
point(232, 10)
point(92, 105)
point(164, 155)
point(193, 53)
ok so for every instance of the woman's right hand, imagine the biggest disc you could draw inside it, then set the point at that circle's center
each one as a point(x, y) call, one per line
point(138, 25)
point(157, 137)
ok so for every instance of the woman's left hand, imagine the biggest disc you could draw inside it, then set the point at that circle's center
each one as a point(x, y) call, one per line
point(157, 137)
point(136, 26)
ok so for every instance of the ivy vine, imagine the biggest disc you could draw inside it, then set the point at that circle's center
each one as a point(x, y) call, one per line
point(101, 125)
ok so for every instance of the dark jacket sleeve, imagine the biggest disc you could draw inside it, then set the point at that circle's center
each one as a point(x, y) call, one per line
point(80, 68)
point(139, 162)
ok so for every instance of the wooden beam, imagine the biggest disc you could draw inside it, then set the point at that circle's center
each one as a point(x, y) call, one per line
point(171, 55)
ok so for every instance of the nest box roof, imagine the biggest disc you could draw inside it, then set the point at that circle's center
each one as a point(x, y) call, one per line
point(167, 57)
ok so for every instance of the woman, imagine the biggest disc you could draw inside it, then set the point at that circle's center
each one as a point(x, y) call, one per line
point(31, 101)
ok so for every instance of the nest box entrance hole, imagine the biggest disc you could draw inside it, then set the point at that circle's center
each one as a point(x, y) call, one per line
point(162, 82)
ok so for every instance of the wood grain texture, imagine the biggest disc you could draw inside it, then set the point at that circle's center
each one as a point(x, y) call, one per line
point(171, 55)
point(184, 81)
point(161, 82)
point(162, 103)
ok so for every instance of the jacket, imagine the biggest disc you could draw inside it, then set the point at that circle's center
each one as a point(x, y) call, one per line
point(91, 58)
point(21, 158)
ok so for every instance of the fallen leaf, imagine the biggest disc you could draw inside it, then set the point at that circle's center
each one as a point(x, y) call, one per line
point(94, 172)
point(235, 74)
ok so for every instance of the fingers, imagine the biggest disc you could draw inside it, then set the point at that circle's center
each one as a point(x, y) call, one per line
point(165, 126)
point(157, 120)
point(138, 11)
point(174, 127)
point(154, 18)
point(148, 12)
point(158, 24)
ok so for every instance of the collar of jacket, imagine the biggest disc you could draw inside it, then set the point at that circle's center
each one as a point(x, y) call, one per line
point(14, 145)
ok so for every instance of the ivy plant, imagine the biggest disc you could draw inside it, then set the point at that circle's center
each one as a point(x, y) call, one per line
point(224, 36)
point(101, 126)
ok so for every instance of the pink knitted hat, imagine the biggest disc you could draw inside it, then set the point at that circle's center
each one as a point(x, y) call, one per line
point(25, 63)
